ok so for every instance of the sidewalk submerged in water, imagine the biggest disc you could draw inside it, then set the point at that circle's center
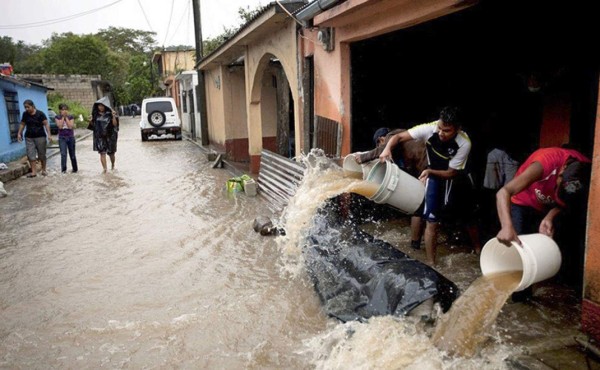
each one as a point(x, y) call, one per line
point(20, 167)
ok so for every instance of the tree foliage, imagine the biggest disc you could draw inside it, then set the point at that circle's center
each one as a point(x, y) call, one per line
point(19, 54)
point(245, 14)
point(141, 81)
point(115, 54)
point(125, 40)
point(73, 54)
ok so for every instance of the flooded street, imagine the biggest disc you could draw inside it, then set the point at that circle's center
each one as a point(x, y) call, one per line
point(154, 265)
point(150, 265)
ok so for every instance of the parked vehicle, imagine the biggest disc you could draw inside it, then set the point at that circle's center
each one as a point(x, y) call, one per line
point(160, 117)
point(52, 122)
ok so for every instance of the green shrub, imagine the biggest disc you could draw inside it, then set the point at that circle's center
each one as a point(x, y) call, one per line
point(75, 108)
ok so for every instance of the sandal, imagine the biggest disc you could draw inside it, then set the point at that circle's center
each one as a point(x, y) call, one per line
point(30, 175)
point(44, 173)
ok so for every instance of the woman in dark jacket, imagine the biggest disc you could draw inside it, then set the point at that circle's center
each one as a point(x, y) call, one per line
point(106, 127)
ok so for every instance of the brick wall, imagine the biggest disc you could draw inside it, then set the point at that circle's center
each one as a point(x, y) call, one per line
point(79, 88)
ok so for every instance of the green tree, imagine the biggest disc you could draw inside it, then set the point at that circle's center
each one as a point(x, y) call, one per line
point(20, 55)
point(141, 79)
point(126, 40)
point(211, 44)
point(8, 50)
point(246, 15)
point(130, 49)
point(73, 54)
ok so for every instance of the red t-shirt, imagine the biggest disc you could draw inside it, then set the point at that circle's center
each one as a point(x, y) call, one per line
point(543, 193)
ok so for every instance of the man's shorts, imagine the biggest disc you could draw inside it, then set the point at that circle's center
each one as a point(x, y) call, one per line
point(36, 148)
point(436, 197)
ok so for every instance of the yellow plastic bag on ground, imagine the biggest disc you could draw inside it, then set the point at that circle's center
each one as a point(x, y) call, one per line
point(236, 184)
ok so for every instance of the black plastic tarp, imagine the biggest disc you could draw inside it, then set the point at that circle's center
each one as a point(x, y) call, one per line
point(358, 276)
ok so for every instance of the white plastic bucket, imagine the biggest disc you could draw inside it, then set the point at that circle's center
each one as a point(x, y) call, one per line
point(539, 258)
point(352, 167)
point(397, 188)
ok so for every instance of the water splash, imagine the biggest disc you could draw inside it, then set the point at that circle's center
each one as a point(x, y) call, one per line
point(323, 179)
point(388, 342)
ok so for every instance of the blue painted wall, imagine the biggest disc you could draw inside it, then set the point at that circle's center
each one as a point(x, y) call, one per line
point(11, 151)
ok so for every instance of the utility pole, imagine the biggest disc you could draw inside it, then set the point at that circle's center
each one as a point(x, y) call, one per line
point(200, 91)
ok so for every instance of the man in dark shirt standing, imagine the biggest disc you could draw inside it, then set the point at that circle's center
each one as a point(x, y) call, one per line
point(448, 149)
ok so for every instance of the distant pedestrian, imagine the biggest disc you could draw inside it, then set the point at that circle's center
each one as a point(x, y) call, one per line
point(37, 135)
point(66, 138)
point(133, 109)
point(106, 127)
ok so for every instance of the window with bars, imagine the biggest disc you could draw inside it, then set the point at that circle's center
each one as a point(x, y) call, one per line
point(14, 119)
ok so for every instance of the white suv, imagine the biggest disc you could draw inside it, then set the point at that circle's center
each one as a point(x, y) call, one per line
point(160, 117)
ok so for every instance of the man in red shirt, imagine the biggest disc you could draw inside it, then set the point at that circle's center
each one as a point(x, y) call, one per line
point(548, 181)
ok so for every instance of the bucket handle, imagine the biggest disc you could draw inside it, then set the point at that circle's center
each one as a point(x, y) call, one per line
point(391, 186)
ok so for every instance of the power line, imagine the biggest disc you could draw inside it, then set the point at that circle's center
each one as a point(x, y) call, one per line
point(169, 24)
point(57, 20)
point(145, 16)
point(186, 12)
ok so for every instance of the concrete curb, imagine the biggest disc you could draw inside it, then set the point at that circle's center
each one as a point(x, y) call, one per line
point(226, 164)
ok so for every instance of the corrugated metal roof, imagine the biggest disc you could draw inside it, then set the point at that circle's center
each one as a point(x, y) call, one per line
point(22, 82)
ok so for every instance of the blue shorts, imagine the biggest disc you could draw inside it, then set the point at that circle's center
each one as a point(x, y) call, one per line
point(436, 197)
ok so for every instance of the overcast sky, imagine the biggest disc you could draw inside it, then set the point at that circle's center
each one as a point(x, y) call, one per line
point(35, 20)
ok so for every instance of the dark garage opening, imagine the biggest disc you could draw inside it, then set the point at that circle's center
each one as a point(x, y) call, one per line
point(486, 59)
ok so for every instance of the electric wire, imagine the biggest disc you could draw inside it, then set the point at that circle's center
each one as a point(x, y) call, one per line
point(169, 24)
point(145, 16)
point(57, 20)
point(186, 12)
point(187, 30)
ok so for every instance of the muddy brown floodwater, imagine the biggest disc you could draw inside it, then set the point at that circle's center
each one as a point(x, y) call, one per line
point(154, 265)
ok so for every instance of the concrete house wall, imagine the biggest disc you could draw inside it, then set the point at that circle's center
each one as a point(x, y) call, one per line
point(170, 63)
point(240, 80)
point(79, 88)
point(10, 150)
point(187, 82)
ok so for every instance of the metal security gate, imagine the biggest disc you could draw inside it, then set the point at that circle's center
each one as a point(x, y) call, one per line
point(328, 136)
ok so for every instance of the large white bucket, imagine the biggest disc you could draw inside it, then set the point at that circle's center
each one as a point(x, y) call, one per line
point(354, 169)
point(539, 258)
point(397, 188)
